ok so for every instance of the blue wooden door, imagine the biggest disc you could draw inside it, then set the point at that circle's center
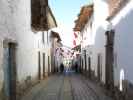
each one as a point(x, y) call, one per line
point(9, 64)
point(6, 71)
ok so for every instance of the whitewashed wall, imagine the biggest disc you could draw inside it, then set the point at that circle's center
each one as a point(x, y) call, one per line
point(87, 33)
point(88, 54)
point(6, 32)
point(123, 48)
point(87, 41)
point(99, 49)
point(27, 49)
point(29, 43)
point(15, 24)
point(44, 47)
point(99, 25)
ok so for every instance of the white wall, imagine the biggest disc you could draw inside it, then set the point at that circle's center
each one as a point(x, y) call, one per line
point(87, 33)
point(29, 43)
point(6, 31)
point(27, 49)
point(99, 48)
point(87, 41)
point(99, 39)
point(88, 54)
point(123, 48)
point(15, 22)
point(44, 47)
point(96, 35)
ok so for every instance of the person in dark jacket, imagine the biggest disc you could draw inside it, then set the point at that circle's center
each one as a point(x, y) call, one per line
point(76, 67)
point(61, 67)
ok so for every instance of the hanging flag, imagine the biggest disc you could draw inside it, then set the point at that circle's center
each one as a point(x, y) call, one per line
point(75, 35)
point(74, 42)
point(61, 50)
point(56, 49)
point(72, 53)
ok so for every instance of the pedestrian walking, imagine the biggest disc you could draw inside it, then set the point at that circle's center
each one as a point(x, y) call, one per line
point(76, 67)
point(61, 67)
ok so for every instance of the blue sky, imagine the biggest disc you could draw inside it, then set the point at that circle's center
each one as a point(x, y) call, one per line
point(65, 12)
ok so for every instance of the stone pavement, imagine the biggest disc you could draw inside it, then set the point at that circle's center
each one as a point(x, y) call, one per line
point(84, 89)
point(65, 87)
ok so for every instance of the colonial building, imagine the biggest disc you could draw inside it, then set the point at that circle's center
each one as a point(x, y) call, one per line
point(83, 25)
point(56, 58)
point(113, 45)
point(24, 45)
point(120, 18)
point(110, 40)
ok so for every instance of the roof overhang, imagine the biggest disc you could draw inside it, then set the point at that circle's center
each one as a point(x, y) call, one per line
point(55, 35)
point(42, 18)
point(85, 13)
point(117, 8)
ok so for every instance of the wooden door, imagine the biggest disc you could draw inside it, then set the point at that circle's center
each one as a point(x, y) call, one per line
point(82, 65)
point(85, 70)
point(109, 59)
point(48, 65)
point(39, 65)
point(89, 66)
point(6, 71)
point(99, 67)
point(10, 74)
point(43, 65)
point(12, 70)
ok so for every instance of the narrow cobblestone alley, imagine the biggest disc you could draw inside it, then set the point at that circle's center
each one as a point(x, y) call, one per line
point(66, 50)
point(66, 87)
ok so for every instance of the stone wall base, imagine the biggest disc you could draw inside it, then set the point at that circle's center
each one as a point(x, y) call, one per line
point(24, 86)
point(126, 94)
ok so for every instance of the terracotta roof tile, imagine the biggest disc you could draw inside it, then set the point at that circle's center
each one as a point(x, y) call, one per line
point(83, 17)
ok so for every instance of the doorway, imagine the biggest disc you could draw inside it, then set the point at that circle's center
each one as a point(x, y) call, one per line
point(85, 70)
point(89, 66)
point(43, 65)
point(109, 49)
point(99, 66)
point(39, 65)
point(48, 65)
point(10, 74)
point(82, 67)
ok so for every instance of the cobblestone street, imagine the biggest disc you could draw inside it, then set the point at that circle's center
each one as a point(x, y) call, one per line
point(66, 87)
point(66, 50)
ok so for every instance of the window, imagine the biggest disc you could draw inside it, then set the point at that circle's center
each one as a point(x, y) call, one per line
point(38, 15)
point(35, 14)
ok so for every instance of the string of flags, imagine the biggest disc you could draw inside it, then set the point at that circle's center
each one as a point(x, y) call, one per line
point(64, 52)
point(74, 39)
